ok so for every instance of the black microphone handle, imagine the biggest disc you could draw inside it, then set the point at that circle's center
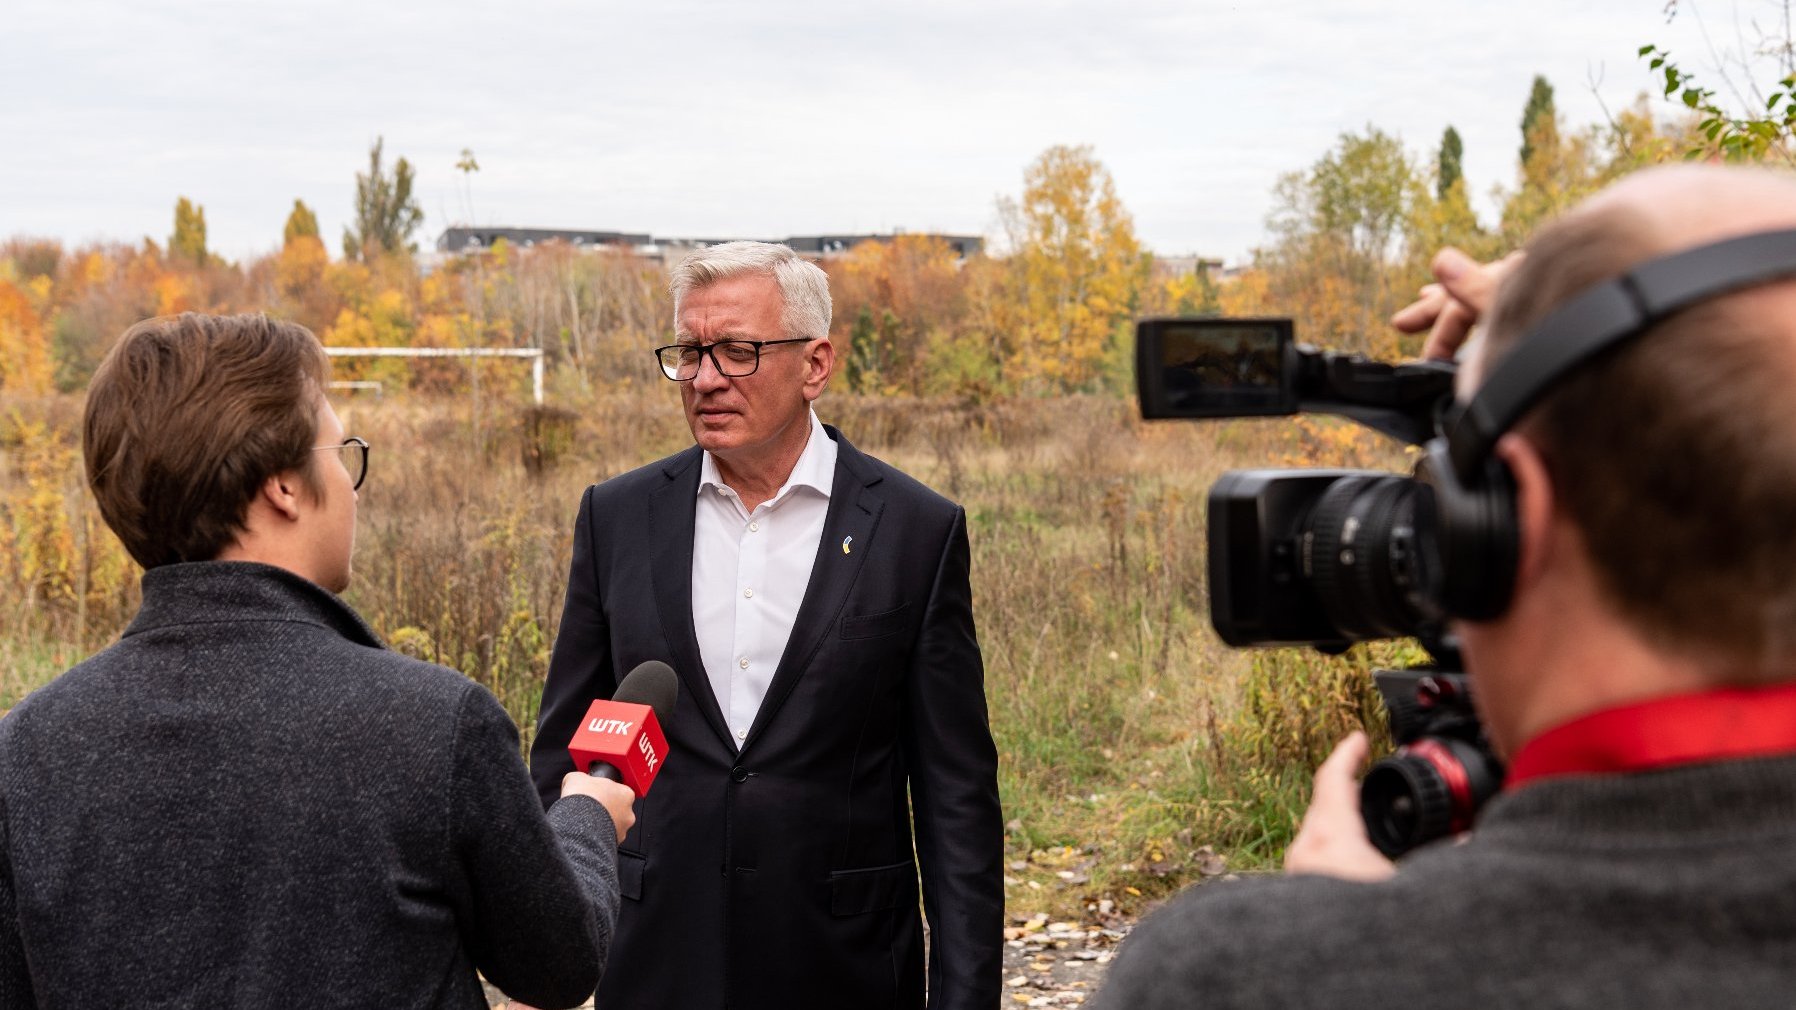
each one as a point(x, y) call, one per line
point(604, 770)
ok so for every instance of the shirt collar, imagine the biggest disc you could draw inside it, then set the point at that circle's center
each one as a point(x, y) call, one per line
point(815, 469)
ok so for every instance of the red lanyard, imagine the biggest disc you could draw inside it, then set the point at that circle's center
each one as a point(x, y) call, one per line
point(1719, 725)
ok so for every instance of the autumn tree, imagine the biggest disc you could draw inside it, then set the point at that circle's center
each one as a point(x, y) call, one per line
point(386, 212)
point(1564, 166)
point(1448, 171)
point(1340, 229)
point(25, 365)
point(894, 299)
point(301, 223)
point(302, 291)
point(188, 243)
point(596, 311)
point(1442, 215)
point(1554, 171)
point(1076, 271)
point(1539, 116)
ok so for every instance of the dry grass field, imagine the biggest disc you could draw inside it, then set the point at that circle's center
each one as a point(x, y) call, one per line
point(1138, 752)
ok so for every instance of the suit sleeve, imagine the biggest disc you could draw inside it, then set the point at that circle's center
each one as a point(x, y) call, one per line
point(954, 792)
point(541, 891)
point(579, 666)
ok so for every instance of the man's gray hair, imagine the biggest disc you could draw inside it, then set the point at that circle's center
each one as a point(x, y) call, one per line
point(804, 287)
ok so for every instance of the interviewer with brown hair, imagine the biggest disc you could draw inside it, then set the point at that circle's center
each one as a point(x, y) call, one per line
point(248, 800)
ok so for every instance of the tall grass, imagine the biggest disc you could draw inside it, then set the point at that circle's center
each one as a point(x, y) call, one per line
point(1130, 738)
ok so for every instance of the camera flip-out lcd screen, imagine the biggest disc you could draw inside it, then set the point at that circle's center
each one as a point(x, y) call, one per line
point(1214, 367)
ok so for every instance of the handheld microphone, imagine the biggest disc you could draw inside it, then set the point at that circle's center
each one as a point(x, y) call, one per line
point(621, 739)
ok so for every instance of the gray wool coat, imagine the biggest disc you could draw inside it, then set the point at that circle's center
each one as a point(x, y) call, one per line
point(249, 802)
point(1658, 890)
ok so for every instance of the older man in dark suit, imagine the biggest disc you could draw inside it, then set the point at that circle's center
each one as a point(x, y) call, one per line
point(248, 801)
point(816, 602)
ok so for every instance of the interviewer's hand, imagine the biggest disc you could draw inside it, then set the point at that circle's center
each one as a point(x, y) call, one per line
point(1332, 840)
point(1461, 296)
point(615, 797)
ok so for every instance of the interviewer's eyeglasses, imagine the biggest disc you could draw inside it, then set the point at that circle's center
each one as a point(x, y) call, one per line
point(354, 454)
point(734, 358)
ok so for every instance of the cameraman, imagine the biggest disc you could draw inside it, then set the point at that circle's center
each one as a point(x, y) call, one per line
point(1641, 683)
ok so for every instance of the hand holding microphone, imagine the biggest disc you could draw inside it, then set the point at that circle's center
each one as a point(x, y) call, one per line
point(619, 746)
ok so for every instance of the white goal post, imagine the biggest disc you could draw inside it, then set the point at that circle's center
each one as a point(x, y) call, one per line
point(535, 354)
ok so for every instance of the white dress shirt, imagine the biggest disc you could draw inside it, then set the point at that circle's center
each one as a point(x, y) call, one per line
point(749, 573)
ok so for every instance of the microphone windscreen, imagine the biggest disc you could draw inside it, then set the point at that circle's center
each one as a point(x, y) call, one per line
point(654, 684)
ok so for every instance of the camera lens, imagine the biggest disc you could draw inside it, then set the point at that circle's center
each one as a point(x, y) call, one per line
point(1427, 790)
point(1364, 560)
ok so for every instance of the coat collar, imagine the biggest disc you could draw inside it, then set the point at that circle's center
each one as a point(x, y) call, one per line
point(221, 592)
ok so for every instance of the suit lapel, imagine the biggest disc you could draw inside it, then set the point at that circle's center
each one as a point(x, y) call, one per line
point(671, 512)
point(854, 510)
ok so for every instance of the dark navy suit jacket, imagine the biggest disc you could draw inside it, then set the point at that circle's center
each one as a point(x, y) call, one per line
point(783, 874)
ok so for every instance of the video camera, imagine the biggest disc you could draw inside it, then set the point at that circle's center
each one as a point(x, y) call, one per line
point(1327, 558)
point(1331, 557)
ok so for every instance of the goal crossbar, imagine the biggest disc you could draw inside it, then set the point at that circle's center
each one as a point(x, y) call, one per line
point(535, 354)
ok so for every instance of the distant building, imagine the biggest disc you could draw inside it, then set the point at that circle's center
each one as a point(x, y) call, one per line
point(826, 246)
point(465, 240)
point(1182, 266)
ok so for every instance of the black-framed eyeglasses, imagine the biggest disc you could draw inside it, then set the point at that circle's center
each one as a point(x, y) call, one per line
point(354, 454)
point(734, 358)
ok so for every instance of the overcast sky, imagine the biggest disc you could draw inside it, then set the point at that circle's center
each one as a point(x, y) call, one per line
point(770, 118)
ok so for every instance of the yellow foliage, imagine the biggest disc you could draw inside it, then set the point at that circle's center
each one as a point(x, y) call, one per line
point(42, 540)
point(388, 322)
point(173, 294)
point(1077, 271)
point(300, 266)
point(908, 288)
point(93, 269)
point(1246, 294)
point(59, 568)
point(25, 365)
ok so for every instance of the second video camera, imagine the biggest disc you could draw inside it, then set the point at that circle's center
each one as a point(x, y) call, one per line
point(1326, 558)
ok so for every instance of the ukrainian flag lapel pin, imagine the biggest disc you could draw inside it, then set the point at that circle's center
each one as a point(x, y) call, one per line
point(845, 542)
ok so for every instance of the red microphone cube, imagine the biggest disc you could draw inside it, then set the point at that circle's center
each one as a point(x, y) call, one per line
point(626, 736)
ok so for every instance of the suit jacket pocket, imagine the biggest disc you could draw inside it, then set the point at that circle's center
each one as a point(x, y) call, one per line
point(889, 622)
point(630, 867)
point(854, 892)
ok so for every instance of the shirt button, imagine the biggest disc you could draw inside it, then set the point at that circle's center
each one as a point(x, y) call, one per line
point(754, 527)
point(749, 593)
point(742, 734)
point(743, 662)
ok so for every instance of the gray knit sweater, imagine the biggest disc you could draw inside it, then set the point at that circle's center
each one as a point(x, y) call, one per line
point(1663, 889)
point(248, 802)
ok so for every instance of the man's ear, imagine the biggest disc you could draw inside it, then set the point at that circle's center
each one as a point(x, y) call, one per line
point(1534, 503)
point(819, 363)
point(284, 492)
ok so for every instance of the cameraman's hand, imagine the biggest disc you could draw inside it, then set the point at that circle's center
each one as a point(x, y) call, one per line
point(1332, 840)
point(1462, 295)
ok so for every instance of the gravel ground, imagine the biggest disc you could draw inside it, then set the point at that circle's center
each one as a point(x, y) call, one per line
point(1058, 964)
point(1046, 964)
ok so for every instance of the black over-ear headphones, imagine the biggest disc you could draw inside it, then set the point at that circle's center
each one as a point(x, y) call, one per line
point(1473, 507)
